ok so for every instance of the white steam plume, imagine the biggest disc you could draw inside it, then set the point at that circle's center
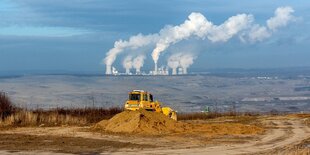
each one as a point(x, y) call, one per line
point(230, 27)
point(134, 42)
point(173, 62)
point(196, 24)
point(282, 16)
point(183, 60)
point(127, 64)
point(138, 63)
point(257, 33)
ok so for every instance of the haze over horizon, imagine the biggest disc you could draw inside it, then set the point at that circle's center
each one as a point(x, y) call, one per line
point(74, 36)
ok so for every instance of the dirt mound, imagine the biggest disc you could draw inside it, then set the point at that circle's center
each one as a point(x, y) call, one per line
point(152, 123)
point(144, 122)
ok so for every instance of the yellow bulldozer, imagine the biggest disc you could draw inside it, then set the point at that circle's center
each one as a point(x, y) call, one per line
point(139, 99)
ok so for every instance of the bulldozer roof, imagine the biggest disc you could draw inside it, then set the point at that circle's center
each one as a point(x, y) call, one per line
point(138, 91)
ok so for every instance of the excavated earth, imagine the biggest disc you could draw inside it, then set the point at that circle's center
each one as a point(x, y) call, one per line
point(152, 123)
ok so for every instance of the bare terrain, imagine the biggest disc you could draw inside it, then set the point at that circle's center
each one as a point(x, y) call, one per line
point(288, 134)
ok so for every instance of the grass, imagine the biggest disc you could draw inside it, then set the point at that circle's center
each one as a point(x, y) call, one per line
point(59, 116)
point(14, 116)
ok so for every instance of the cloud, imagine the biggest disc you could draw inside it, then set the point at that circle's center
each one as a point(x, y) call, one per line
point(258, 33)
point(127, 63)
point(133, 43)
point(183, 60)
point(41, 31)
point(198, 26)
point(283, 15)
point(230, 27)
point(138, 62)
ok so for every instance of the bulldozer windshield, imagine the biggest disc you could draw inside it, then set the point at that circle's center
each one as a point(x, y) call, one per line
point(135, 97)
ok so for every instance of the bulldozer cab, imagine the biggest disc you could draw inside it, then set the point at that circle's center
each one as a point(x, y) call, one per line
point(139, 99)
point(140, 96)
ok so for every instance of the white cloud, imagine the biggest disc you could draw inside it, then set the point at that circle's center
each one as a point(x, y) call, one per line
point(283, 15)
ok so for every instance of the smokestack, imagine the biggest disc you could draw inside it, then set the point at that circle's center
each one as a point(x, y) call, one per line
point(114, 71)
point(108, 70)
point(156, 69)
point(180, 71)
point(127, 70)
point(133, 43)
point(138, 62)
point(184, 70)
point(174, 71)
point(127, 64)
point(173, 62)
point(186, 60)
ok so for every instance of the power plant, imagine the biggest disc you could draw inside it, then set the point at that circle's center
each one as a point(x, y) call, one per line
point(241, 26)
point(157, 71)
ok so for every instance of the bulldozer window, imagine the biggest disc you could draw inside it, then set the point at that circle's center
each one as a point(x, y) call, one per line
point(135, 97)
point(151, 97)
point(145, 97)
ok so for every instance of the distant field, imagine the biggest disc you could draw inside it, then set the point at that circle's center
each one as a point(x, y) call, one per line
point(184, 93)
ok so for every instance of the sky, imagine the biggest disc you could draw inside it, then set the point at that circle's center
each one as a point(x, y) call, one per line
point(75, 35)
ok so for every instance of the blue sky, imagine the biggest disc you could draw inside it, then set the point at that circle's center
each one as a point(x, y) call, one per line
point(74, 35)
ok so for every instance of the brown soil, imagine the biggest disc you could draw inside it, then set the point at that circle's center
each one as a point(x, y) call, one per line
point(152, 123)
point(75, 145)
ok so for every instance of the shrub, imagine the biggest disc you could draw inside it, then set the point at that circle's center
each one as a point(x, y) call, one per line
point(6, 106)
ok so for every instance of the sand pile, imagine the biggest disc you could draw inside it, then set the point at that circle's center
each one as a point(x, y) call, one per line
point(152, 123)
point(143, 122)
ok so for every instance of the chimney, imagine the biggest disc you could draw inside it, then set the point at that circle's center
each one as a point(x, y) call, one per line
point(180, 71)
point(108, 70)
point(174, 71)
point(155, 70)
point(127, 71)
point(184, 70)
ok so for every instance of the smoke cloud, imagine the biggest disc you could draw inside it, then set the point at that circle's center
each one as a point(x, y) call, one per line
point(183, 60)
point(173, 62)
point(138, 63)
point(282, 16)
point(133, 43)
point(127, 64)
point(197, 25)
point(230, 27)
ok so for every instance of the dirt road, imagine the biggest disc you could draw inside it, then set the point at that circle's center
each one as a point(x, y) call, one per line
point(284, 135)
